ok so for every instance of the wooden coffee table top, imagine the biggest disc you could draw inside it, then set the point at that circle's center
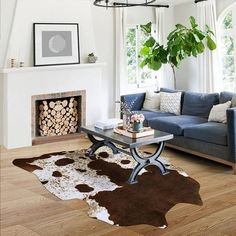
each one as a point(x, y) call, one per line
point(109, 135)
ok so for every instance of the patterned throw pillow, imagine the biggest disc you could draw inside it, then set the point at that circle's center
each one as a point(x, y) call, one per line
point(218, 113)
point(171, 102)
point(233, 101)
point(152, 101)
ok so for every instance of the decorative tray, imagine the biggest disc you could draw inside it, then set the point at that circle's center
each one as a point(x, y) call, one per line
point(147, 131)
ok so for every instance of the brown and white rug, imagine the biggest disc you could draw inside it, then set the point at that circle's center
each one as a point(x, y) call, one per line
point(102, 183)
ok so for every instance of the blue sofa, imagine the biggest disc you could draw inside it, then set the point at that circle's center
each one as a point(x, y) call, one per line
point(192, 131)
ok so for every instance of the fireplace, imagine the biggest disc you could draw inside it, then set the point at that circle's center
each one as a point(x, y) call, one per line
point(57, 116)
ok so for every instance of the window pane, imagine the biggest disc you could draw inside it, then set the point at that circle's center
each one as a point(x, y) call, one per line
point(227, 22)
point(228, 66)
point(227, 45)
point(132, 75)
point(131, 37)
point(229, 84)
point(146, 76)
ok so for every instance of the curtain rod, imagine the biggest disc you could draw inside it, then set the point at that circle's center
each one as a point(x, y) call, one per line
point(196, 1)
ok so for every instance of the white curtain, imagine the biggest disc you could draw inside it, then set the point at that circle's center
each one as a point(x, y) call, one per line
point(208, 61)
point(161, 38)
point(121, 20)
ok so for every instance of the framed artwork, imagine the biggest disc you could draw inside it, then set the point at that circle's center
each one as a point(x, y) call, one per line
point(56, 44)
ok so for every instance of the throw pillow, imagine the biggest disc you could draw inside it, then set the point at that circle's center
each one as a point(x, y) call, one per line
point(152, 101)
point(218, 112)
point(171, 102)
point(233, 101)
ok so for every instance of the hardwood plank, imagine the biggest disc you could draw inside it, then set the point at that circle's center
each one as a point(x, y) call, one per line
point(27, 208)
point(18, 230)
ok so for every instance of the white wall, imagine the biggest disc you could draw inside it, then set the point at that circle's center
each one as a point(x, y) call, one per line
point(187, 73)
point(31, 11)
point(104, 32)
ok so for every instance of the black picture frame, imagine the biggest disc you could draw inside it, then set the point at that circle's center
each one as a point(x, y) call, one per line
point(56, 44)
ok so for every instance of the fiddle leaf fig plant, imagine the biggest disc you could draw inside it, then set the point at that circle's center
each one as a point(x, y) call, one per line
point(182, 42)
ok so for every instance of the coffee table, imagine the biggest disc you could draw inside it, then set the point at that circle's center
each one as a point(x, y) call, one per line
point(109, 139)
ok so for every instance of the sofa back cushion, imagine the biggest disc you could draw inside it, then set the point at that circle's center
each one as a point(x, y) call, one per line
point(167, 90)
point(199, 104)
point(226, 96)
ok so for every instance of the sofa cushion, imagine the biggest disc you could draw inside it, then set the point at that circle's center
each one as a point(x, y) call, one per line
point(175, 124)
point(152, 101)
point(218, 112)
point(226, 96)
point(167, 90)
point(210, 132)
point(152, 114)
point(170, 102)
point(199, 104)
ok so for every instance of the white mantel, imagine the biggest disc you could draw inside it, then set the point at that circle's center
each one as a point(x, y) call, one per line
point(19, 84)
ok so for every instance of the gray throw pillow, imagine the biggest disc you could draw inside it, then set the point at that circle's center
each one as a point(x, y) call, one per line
point(233, 101)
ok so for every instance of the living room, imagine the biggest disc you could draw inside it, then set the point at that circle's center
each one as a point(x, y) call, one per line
point(158, 79)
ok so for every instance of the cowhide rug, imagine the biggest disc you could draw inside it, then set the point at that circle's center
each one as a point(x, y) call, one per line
point(102, 183)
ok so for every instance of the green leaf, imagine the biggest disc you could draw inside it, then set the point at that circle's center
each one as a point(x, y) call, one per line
point(210, 43)
point(171, 34)
point(193, 22)
point(150, 42)
point(144, 51)
point(179, 26)
point(147, 28)
point(155, 65)
point(209, 30)
point(143, 63)
point(199, 33)
point(200, 47)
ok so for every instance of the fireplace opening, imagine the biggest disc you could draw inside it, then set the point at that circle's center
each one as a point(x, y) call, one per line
point(57, 116)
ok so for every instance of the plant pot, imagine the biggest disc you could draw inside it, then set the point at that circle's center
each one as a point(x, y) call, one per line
point(137, 126)
point(92, 59)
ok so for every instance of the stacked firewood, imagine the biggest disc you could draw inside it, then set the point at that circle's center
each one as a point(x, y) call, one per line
point(58, 117)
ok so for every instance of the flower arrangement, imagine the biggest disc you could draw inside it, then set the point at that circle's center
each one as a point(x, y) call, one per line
point(126, 108)
point(138, 118)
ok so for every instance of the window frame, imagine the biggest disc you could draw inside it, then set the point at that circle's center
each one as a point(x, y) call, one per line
point(138, 84)
point(231, 32)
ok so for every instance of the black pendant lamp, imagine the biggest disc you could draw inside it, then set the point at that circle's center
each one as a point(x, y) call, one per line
point(126, 3)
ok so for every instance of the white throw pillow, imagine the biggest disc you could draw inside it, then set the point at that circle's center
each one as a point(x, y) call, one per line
point(218, 112)
point(171, 102)
point(152, 101)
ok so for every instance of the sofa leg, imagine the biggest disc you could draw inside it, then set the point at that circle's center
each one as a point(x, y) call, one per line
point(234, 169)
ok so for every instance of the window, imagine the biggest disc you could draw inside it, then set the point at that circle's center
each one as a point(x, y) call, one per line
point(228, 48)
point(137, 77)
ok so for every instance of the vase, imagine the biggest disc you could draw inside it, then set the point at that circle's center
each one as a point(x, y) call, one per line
point(137, 126)
point(126, 121)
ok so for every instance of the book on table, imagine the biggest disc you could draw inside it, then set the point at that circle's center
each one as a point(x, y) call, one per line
point(108, 123)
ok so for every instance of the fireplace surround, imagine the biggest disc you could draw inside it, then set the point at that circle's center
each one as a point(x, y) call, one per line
point(20, 84)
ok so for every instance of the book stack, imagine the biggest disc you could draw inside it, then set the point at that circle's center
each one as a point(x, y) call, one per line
point(108, 123)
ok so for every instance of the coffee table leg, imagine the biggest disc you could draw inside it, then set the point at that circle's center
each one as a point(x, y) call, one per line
point(99, 143)
point(144, 162)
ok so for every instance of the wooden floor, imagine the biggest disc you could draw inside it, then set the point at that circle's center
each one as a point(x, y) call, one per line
point(28, 209)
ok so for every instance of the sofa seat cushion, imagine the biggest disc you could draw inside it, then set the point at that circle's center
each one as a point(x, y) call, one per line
point(152, 114)
point(210, 132)
point(175, 124)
